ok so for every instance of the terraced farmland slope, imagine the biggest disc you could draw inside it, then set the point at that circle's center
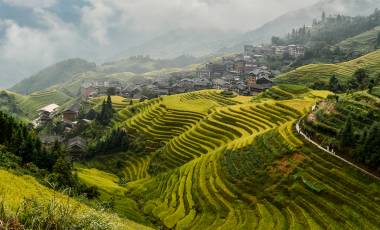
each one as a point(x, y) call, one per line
point(216, 163)
point(28, 105)
point(362, 43)
point(10, 185)
point(309, 74)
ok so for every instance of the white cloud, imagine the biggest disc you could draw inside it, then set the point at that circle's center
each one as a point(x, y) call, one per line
point(31, 3)
point(25, 50)
point(109, 26)
point(152, 15)
point(96, 18)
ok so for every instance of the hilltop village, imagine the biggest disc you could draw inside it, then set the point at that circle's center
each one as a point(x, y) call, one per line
point(244, 74)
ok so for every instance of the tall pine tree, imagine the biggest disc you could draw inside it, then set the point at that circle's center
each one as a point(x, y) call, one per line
point(371, 149)
point(346, 135)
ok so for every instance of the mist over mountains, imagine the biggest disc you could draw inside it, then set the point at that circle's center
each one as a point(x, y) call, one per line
point(39, 33)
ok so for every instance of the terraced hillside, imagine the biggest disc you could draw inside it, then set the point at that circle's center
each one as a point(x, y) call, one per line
point(217, 163)
point(328, 123)
point(56, 204)
point(28, 105)
point(362, 43)
point(309, 74)
point(31, 103)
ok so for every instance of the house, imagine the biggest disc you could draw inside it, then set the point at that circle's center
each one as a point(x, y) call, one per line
point(87, 89)
point(203, 72)
point(228, 63)
point(47, 113)
point(202, 83)
point(218, 83)
point(249, 50)
point(50, 140)
point(178, 88)
point(249, 67)
point(261, 72)
point(296, 51)
point(77, 147)
point(240, 67)
point(280, 50)
point(259, 88)
point(263, 81)
point(250, 81)
point(71, 114)
point(215, 69)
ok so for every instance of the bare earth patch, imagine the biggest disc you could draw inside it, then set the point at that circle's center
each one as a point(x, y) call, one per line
point(286, 165)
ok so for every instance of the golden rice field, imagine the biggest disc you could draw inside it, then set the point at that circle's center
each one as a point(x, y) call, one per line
point(15, 189)
point(218, 163)
point(307, 75)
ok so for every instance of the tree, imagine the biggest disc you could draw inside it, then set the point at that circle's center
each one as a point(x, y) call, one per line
point(371, 85)
point(334, 84)
point(361, 76)
point(323, 16)
point(91, 115)
point(277, 41)
point(106, 114)
point(371, 148)
point(346, 134)
point(111, 91)
point(377, 44)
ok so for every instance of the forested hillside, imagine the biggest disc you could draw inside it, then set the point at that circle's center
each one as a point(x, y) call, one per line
point(333, 39)
point(284, 24)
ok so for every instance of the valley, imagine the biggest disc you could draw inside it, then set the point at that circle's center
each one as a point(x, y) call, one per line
point(240, 165)
point(276, 127)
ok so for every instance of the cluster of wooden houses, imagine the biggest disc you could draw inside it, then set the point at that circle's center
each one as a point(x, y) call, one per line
point(293, 51)
point(255, 81)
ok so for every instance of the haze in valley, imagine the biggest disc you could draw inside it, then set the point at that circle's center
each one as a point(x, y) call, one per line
point(38, 33)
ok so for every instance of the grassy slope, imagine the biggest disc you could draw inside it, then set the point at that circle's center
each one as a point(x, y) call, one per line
point(11, 193)
point(53, 75)
point(226, 164)
point(31, 103)
point(309, 74)
point(362, 43)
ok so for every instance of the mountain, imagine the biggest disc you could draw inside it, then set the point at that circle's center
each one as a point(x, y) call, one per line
point(196, 42)
point(310, 74)
point(52, 75)
point(144, 64)
point(295, 19)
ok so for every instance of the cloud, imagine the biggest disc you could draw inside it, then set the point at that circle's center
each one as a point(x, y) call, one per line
point(25, 50)
point(31, 3)
point(106, 27)
point(151, 15)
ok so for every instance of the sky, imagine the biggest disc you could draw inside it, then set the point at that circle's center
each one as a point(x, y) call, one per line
point(38, 33)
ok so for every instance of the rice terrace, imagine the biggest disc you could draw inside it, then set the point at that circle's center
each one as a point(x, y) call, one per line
point(239, 165)
point(190, 115)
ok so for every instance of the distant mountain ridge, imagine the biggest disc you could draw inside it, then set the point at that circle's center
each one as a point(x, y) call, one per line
point(203, 42)
point(52, 75)
point(196, 42)
point(285, 23)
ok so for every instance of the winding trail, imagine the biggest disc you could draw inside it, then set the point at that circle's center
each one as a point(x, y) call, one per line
point(298, 128)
